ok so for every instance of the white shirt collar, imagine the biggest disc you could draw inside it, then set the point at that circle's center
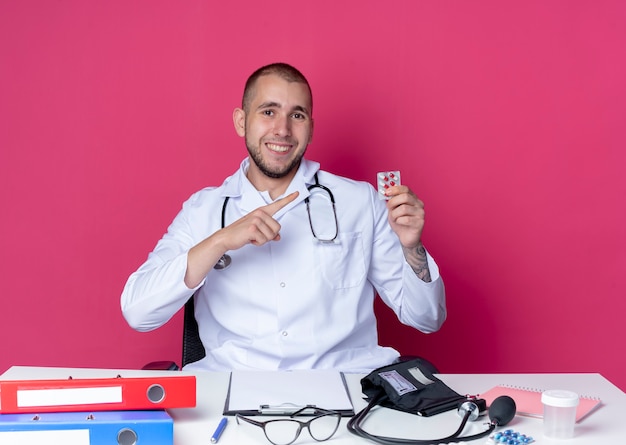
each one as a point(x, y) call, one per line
point(238, 185)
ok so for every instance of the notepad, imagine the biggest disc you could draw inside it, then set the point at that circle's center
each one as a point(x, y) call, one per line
point(528, 400)
point(248, 391)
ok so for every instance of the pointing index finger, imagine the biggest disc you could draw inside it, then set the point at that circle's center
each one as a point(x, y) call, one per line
point(280, 203)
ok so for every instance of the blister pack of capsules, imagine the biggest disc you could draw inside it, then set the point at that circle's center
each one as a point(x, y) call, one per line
point(386, 180)
point(509, 437)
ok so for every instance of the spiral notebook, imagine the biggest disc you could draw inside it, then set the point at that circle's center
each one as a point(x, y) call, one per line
point(528, 400)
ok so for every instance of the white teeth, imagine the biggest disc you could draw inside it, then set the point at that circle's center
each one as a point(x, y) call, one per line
point(279, 148)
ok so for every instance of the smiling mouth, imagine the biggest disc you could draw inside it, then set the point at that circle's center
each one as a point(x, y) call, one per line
point(278, 148)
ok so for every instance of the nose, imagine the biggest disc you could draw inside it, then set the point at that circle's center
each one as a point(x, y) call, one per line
point(282, 126)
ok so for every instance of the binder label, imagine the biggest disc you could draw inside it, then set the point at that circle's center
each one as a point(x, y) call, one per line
point(66, 437)
point(68, 396)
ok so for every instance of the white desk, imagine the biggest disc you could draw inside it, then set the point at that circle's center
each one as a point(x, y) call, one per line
point(194, 426)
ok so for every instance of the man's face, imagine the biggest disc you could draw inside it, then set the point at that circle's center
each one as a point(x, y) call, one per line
point(277, 125)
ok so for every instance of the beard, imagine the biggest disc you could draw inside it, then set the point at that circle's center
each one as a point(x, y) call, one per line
point(272, 172)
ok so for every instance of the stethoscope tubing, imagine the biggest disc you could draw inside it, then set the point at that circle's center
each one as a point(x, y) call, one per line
point(226, 260)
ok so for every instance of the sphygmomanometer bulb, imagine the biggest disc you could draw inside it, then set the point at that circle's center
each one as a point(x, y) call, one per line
point(502, 410)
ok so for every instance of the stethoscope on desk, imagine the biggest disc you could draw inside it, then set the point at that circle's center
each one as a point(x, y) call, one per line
point(225, 260)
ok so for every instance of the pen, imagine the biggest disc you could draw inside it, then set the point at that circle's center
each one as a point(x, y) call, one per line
point(285, 409)
point(220, 429)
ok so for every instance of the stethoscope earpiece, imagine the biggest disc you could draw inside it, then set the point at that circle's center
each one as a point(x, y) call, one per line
point(223, 262)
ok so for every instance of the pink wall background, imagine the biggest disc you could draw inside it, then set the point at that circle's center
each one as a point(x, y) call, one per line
point(507, 118)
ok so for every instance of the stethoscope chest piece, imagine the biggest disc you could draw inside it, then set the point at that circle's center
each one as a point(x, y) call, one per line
point(223, 262)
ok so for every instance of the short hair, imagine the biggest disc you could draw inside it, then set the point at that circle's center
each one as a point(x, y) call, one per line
point(283, 70)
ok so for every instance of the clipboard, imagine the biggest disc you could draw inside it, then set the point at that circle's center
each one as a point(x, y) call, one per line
point(281, 393)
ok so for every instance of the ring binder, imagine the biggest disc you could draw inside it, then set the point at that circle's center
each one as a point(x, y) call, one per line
point(154, 427)
point(103, 394)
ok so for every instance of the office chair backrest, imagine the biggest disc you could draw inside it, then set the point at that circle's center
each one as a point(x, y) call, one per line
point(193, 349)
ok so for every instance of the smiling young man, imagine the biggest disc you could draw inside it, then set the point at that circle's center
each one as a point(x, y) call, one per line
point(277, 124)
point(307, 252)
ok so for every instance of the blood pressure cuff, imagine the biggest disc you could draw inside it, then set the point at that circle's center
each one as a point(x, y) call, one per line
point(410, 387)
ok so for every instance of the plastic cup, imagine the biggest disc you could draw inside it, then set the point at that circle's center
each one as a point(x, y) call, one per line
point(559, 413)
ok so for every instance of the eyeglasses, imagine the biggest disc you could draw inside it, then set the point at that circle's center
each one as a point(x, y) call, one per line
point(285, 431)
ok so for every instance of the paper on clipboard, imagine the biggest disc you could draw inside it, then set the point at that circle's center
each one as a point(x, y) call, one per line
point(250, 390)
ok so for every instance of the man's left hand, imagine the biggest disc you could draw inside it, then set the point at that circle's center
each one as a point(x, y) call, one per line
point(406, 215)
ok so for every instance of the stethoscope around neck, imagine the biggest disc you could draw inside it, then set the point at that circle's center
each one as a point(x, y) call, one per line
point(226, 260)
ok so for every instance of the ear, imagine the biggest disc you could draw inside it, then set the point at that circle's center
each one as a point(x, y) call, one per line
point(239, 120)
